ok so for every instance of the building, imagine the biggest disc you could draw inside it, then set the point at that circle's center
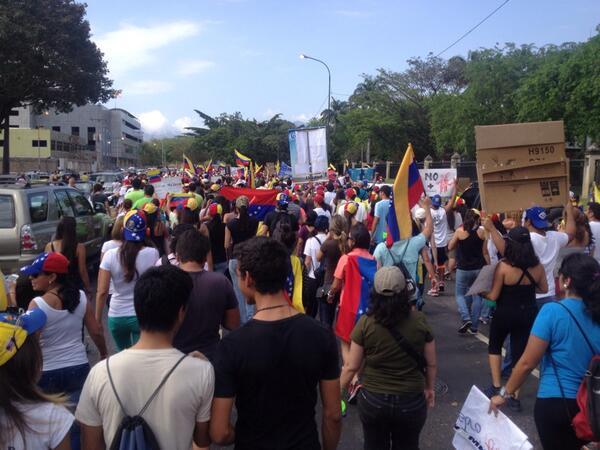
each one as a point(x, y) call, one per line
point(111, 137)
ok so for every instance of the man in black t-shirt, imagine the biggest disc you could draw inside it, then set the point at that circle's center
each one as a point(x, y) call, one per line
point(280, 213)
point(272, 365)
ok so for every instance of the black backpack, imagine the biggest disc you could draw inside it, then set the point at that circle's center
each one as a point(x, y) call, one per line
point(411, 285)
point(134, 433)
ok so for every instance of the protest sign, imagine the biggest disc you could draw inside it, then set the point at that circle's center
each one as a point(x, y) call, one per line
point(308, 152)
point(476, 429)
point(438, 181)
point(167, 185)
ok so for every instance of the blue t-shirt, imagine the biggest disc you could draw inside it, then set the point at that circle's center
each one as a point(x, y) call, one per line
point(568, 347)
point(382, 208)
point(387, 257)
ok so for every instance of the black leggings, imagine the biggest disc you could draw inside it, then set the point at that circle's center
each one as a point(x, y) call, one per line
point(513, 320)
point(554, 425)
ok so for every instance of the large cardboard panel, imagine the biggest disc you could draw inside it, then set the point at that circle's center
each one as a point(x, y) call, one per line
point(554, 170)
point(519, 134)
point(494, 160)
point(516, 195)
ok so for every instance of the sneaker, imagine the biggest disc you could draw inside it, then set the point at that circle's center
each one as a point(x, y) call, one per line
point(353, 393)
point(484, 321)
point(491, 391)
point(464, 327)
point(441, 286)
point(433, 292)
point(514, 404)
point(471, 331)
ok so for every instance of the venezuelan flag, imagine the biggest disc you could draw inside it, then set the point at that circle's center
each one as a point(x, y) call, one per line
point(241, 160)
point(153, 175)
point(262, 201)
point(180, 199)
point(408, 189)
point(188, 166)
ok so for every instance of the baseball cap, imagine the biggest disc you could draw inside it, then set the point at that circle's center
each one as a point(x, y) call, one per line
point(242, 200)
point(283, 200)
point(51, 262)
point(351, 208)
point(214, 209)
point(350, 193)
point(14, 329)
point(537, 216)
point(191, 204)
point(436, 200)
point(150, 208)
point(215, 187)
point(134, 226)
point(319, 199)
point(389, 281)
point(519, 234)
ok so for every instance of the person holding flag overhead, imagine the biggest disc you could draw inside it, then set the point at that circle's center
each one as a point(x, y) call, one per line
point(188, 167)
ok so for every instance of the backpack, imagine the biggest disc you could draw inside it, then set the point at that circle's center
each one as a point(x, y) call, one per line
point(134, 433)
point(281, 220)
point(586, 422)
point(411, 285)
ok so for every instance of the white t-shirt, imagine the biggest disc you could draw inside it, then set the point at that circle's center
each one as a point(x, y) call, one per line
point(184, 399)
point(109, 245)
point(61, 336)
point(361, 212)
point(47, 426)
point(329, 197)
point(440, 227)
point(322, 212)
point(595, 227)
point(546, 249)
point(311, 249)
point(121, 302)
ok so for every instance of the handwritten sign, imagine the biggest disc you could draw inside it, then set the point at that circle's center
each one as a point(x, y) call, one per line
point(438, 181)
point(167, 185)
point(476, 429)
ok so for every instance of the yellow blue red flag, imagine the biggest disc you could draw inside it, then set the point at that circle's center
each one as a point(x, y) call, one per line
point(241, 160)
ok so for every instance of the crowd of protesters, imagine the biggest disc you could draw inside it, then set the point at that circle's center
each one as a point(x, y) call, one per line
point(212, 306)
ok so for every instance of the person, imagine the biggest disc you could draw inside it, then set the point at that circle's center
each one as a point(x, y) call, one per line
point(382, 208)
point(72, 183)
point(147, 198)
point(395, 393)
point(406, 251)
point(517, 278)
point(193, 187)
point(304, 233)
point(65, 242)
point(216, 234)
point(280, 214)
point(65, 363)
point(123, 266)
point(564, 337)
point(329, 195)
point(455, 220)
point(116, 237)
point(239, 229)
point(471, 255)
point(583, 239)
point(98, 196)
point(593, 215)
point(321, 207)
point(212, 301)
point(271, 367)
point(136, 192)
point(29, 418)
point(312, 264)
point(359, 215)
point(171, 258)
point(156, 230)
point(160, 297)
point(440, 237)
point(125, 208)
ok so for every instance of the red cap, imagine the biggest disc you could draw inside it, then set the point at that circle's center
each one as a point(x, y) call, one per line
point(319, 199)
point(320, 188)
point(350, 193)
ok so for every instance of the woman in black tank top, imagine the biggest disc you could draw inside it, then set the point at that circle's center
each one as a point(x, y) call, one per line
point(471, 256)
point(517, 279)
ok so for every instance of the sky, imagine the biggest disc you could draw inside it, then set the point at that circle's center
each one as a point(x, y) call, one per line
point(171, 57)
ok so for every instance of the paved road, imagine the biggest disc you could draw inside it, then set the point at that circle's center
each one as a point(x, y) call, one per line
point(462, 362)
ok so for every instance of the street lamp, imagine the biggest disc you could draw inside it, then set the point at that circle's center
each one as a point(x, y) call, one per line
point(303, 56)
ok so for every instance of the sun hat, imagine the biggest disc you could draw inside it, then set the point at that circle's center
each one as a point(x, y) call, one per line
point(242, 200)
point(537, 216)
point(214, 209)
point(52, 262)
point(134, 226)
point(389, 281)
point(14, 329)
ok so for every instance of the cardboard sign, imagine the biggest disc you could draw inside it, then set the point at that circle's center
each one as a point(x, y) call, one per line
point(168, 185)
point(438, 181)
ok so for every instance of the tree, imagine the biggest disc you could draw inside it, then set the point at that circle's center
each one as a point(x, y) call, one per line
point(48, 60)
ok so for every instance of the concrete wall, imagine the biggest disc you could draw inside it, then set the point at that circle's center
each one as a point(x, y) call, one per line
point(21, 142)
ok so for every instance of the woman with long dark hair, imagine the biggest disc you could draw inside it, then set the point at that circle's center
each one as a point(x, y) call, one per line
point(29, 418)
point(564, 337)
point(396, 347)
point(216, 235)
point(239, 229)
point(516, 280)
point(65, 366)
point(123, 266)
point(65, 242)
point(157, 231)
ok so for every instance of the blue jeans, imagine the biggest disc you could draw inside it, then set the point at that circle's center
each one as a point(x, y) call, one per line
point(220, 267)
point(68, 380)
point(469, 306)
point(246, 311)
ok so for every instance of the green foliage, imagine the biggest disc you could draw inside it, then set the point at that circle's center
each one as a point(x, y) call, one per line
point(174, 148)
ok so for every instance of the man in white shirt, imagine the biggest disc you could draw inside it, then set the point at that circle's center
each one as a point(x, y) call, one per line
point(361, 214)
point(440, 237)
point(180, 412)
point(330, 193)
point(593, 214)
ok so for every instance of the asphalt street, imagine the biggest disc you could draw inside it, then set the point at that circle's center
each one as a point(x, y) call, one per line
point(462, 363)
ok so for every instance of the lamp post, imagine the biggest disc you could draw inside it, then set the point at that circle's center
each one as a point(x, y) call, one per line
point(303, 56)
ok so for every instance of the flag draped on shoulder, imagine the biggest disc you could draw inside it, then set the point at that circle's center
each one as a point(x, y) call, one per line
point(262, 201)
point(241, 160)
point(188, 166)
point(407, 190)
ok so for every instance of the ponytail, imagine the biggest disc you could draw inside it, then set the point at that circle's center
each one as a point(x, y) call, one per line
point(68, 292)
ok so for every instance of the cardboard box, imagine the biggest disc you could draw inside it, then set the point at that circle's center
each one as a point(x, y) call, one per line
point(520, 165)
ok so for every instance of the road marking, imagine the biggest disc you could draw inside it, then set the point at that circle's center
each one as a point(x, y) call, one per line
point(486, 341)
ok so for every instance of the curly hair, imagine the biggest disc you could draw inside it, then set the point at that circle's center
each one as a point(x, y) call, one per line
point(584, 272)
point(389, 310)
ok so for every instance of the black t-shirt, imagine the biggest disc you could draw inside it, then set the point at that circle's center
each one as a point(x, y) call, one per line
point(273, 369)
point(239, 235)
point(99, 198)
point(275, 216)
point(211, 295)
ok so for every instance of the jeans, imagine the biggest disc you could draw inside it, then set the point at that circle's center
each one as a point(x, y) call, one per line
point(124, 330)
point(68, 380)
point(246, 310)
point(464, 280)
point(391, 422)
point(220, 267)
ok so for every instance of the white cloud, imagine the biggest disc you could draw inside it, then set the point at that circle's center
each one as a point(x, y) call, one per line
point(132, 46)
point(153, 122)
point(354, 13)
point(182, 123)
point(187, 68)
point(300, 118)
point(147, 87)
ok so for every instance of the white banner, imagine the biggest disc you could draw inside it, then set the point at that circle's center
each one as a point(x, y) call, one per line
point(438, 181)
point(168, 185)
point(476, 429)
point(308, 152)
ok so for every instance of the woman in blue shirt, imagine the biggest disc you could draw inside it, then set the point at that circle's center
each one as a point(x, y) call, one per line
point(558, 343)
